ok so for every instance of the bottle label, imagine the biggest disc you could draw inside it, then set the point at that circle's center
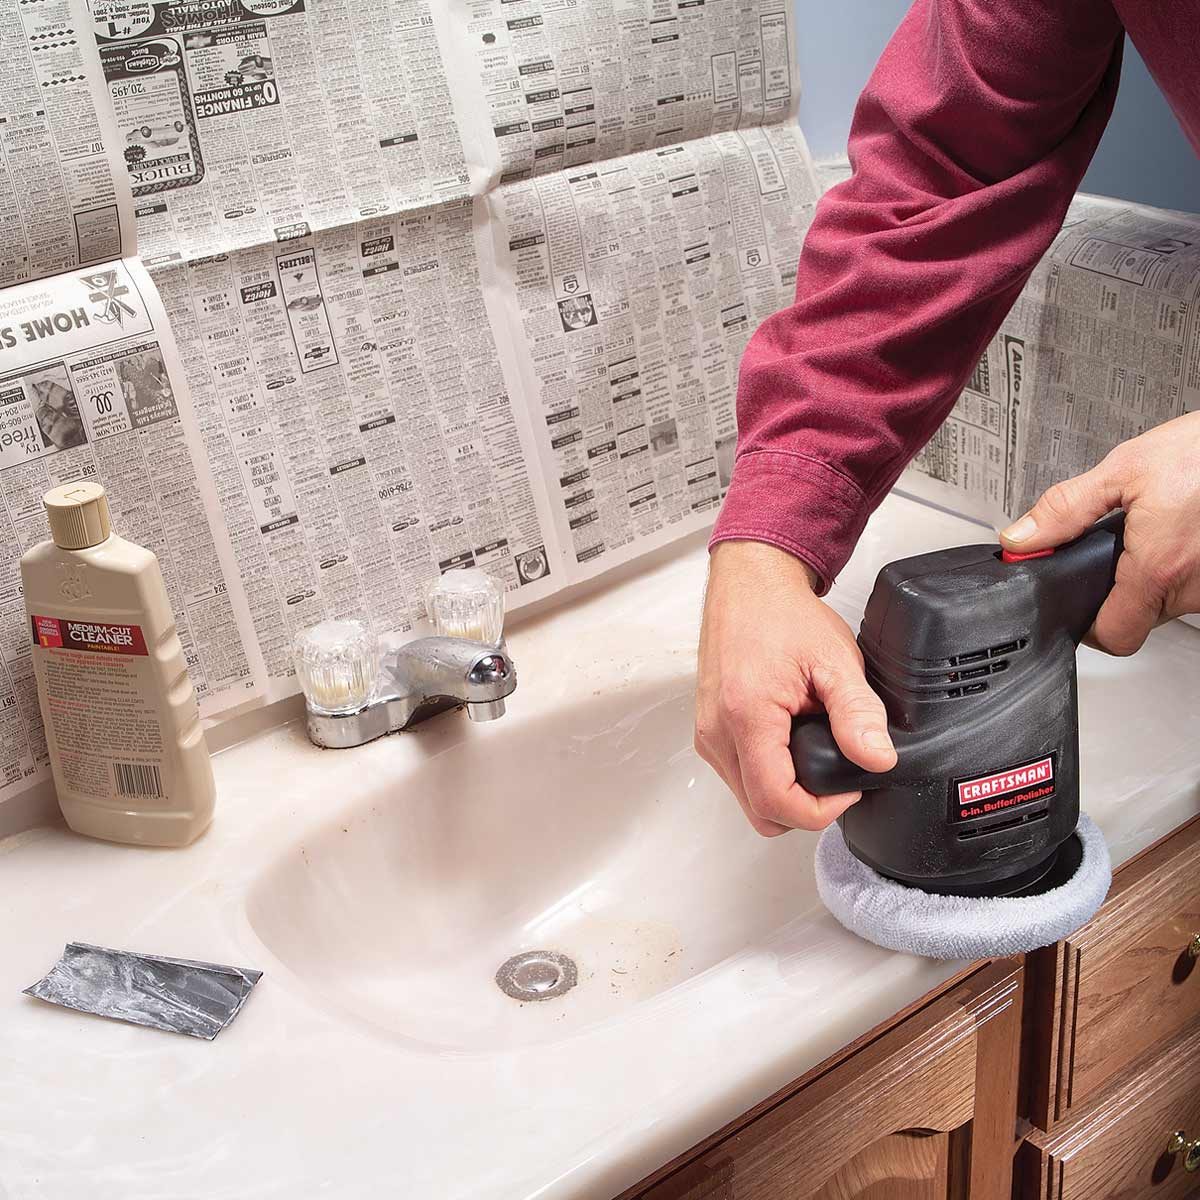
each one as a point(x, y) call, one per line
point(100, 710)
point(62, 633)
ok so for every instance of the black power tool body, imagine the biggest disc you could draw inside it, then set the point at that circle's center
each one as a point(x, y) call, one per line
point(973, 653)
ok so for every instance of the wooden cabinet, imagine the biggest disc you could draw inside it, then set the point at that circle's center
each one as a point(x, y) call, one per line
point(924, 1112)
point(1060, 1077)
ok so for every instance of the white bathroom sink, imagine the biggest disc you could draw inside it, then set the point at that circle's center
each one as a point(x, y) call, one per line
point(597, 834)
point(582, 823)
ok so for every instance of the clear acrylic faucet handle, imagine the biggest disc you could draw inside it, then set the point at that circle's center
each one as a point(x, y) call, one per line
point(466, 604)
point(336, 662)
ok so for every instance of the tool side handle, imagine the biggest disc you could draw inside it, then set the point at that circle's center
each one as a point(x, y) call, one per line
point(822, 769)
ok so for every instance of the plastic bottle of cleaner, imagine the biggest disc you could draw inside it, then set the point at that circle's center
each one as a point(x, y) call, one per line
point(122, 726)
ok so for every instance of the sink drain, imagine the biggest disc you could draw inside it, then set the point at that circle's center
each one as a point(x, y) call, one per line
point(537, 975)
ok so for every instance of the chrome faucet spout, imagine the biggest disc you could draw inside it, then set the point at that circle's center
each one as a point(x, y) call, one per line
point(485, 710)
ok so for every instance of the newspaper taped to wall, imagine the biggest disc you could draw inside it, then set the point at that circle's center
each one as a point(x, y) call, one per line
point(573, 83)
point(637, 283)
point(332, 200)
point(1103, 344)
point(357, 422)
point(64, 201)
point(250, 122)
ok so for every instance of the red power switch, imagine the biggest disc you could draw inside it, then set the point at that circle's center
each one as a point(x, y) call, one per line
point(1013, 556)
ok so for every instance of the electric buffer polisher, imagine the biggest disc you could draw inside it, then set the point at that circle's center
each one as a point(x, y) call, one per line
point(973, 845)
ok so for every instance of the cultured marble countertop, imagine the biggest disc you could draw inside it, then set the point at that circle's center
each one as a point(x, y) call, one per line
point(303, 1097)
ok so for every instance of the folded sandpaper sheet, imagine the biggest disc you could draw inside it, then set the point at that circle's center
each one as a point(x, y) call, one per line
point(179, 995)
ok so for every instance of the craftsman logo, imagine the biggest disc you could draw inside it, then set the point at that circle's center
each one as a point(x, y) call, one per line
point(55, 633)
point(987, 786)
point(984, 795)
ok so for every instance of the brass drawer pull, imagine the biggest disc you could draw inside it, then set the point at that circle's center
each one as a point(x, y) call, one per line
point(1193, 950)
point(1191, 1150)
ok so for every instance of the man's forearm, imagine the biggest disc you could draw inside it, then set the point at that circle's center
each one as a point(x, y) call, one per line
point(968, 145)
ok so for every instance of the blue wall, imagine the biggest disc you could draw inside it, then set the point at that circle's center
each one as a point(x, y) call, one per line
point(1144, 155)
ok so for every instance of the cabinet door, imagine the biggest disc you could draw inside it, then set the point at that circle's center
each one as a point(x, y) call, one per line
point(1123, 985)
point(926, 1112)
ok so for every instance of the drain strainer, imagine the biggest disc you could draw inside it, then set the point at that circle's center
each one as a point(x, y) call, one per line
point(537, 975)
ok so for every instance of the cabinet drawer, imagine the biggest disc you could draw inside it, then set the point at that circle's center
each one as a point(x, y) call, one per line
point(1110, 994)
point(1119, 1149)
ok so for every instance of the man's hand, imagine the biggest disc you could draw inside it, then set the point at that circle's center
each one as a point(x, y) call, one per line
point(1155, 478)
point(769, 650)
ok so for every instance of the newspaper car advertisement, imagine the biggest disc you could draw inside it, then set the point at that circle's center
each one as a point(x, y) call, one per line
point(171, 65)
point(154, 112)
point(247, 122)
point(182, 76)
point(232, 69)
point(300, 287)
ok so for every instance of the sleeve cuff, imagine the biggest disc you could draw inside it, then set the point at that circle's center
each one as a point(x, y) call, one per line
point(800, 504)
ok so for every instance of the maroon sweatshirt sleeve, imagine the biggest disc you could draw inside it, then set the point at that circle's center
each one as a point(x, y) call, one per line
point(967, 147)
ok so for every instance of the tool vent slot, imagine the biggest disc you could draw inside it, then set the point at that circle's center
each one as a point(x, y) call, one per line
point(988, 653)
point(1024, 819)
point(974, 679)
point(971, 671)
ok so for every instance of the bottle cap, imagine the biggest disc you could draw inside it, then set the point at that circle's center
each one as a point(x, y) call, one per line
point(79, 515)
